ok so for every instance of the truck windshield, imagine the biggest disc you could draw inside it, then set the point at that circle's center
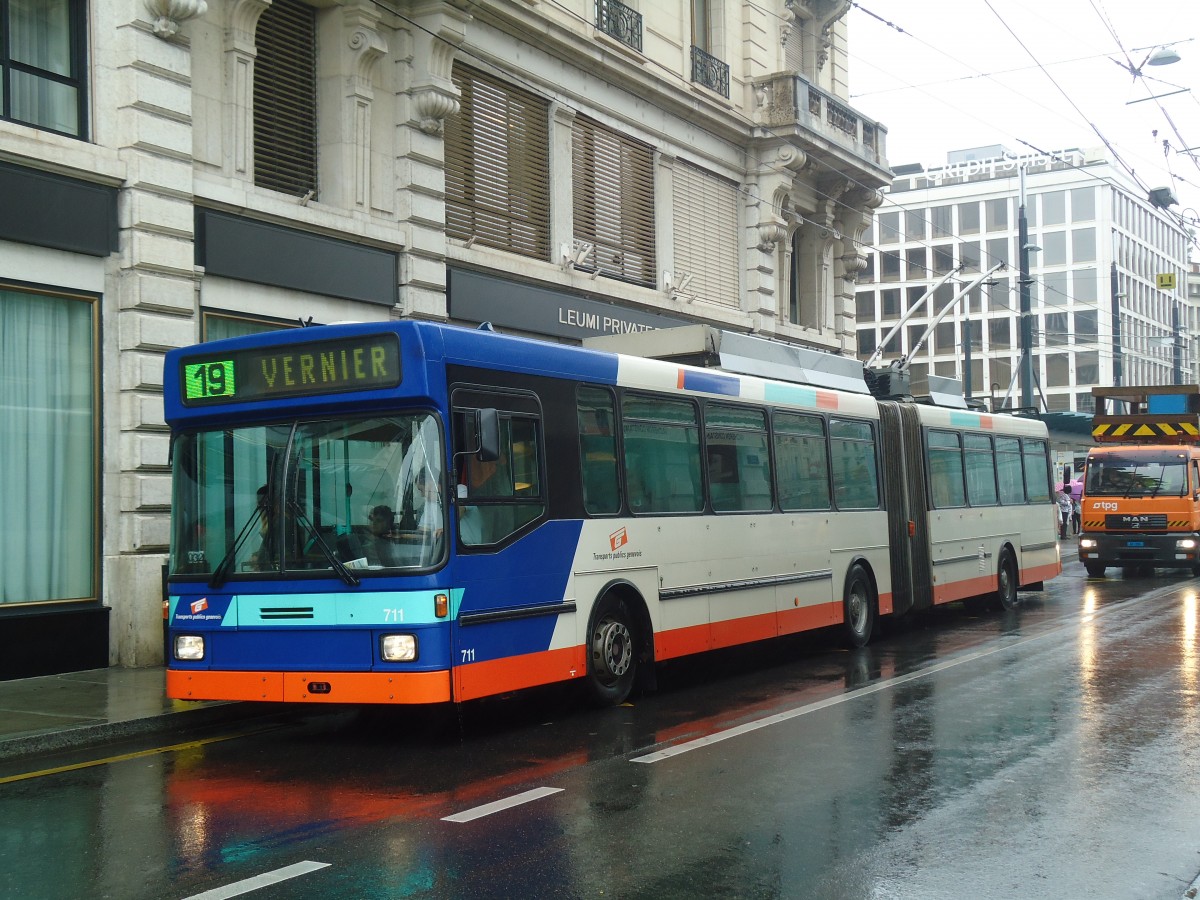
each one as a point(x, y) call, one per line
point(336, 495)
point(1136, 476)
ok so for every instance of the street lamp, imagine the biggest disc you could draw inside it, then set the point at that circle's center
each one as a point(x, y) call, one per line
point(1026, 338)
point(1159, 55)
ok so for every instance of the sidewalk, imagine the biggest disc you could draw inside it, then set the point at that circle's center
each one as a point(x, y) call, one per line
point(79, 709)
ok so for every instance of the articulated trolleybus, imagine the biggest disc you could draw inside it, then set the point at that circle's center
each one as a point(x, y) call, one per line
point(416, 513)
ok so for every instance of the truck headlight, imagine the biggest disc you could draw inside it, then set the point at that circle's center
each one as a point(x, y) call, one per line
point(1186, 543)
point(1087, 543)
point(398, 647)
point(189, 646)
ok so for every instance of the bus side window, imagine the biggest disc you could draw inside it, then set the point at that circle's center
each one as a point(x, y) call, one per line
point(852, 454)
point(499, 497)
point(1037, 470)
point(596, 412)
point(945, 469)
point(662, 447)
point(1195, 477)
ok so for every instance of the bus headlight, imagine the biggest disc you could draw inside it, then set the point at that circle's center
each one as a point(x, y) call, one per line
point(189, 646)
point(398, 647)
point(1186, 544)
point(1087, 543)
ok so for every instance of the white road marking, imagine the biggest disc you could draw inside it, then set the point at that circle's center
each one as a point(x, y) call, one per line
point(746, 728)
point(266, 879)
point(737, 731)
point(500, 805)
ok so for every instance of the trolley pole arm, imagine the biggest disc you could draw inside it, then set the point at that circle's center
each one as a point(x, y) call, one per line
point(949, 306)
point(912, 310)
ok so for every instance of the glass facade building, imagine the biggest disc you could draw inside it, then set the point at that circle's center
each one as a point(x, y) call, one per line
point(1089, 221)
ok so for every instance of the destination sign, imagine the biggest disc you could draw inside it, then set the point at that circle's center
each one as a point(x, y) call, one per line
point(296, 370)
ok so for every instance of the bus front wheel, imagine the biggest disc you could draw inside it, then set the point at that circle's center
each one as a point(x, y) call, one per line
point(859, 607)
point(1006, 580)
point(612, 652)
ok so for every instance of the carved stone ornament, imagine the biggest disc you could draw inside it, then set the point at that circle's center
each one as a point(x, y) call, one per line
point(168, 15)
point(433, 106)
point(771, 233)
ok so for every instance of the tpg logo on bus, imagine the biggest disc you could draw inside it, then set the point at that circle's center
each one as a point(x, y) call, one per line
point(618, 539)
point(1108, 506)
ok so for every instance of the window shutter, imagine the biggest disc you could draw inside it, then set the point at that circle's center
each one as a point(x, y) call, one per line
point(498, 166)
point(707, 244)
point(613, 184)
point(285, 99)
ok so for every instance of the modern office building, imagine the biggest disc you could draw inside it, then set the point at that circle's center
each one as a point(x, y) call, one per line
point(179, 170)
point(1107, 271)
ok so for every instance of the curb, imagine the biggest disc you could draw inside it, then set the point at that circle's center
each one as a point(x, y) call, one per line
point(83, 737)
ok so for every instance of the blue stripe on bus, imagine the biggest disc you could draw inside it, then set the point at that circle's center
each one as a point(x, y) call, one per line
point(361, 609)
point(533, 570)
point(965, 419)
point(711, 384)
point(790, 394)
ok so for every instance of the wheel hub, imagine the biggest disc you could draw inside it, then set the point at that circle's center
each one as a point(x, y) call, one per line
point(612, 649)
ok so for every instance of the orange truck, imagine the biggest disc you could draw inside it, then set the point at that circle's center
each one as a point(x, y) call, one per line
point(1141, 485)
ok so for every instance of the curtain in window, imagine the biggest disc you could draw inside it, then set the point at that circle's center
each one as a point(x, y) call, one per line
point(47, 442)
point(219, 327)
point(40, 37)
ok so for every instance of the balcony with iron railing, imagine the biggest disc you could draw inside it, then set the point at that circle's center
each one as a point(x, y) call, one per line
point(710, 72)
point(822, 123)
point(619, 22)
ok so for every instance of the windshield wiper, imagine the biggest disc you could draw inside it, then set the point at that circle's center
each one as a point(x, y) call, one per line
point(221, 572)
point(338, 566)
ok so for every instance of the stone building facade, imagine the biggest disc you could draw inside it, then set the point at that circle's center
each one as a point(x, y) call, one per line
point(178, 170)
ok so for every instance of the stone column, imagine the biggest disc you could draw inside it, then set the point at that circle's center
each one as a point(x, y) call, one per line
point(429, 98)
point(144, 77)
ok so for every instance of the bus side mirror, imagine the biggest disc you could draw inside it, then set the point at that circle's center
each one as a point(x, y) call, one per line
point(487, 427)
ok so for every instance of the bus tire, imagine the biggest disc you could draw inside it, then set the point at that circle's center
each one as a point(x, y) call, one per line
point(1007, 580)
point(859, 607)
point(612, 649)
point(1095, 569)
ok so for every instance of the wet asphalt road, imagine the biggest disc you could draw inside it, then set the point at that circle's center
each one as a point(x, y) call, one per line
point(1049, 752)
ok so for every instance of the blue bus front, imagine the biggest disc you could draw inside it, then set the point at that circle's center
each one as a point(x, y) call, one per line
point(310, 519)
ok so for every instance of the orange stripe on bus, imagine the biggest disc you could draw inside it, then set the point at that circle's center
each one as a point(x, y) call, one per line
point(827, 400)
point(498, 676)
point(679, 380)
point(958, 590)
point(1041, 573)
point(805, 618)
point(292, 687)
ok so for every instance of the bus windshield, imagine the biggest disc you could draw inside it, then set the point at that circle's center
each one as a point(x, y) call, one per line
point(342, 495)
point(1137, 476)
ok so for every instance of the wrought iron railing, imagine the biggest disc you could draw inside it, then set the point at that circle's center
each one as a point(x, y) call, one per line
point(710, 72)
point(619, 21)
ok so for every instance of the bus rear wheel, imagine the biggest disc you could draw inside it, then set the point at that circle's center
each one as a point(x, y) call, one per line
point(1006, 581)
point(859, 608)
point(612, 652)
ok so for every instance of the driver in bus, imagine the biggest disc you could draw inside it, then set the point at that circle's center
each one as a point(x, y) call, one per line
point(381, 549)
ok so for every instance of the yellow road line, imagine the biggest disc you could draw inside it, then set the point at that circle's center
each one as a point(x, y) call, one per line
point(190, 745)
